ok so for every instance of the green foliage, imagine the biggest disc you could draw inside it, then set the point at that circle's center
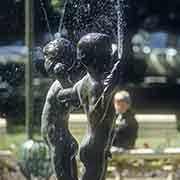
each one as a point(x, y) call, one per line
point(56, 4)
point(34, 159)
point(14, 138)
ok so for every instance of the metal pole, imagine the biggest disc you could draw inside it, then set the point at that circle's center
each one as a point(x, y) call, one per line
point(29, 29)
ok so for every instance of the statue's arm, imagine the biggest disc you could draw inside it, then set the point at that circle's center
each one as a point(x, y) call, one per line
point(115, 78)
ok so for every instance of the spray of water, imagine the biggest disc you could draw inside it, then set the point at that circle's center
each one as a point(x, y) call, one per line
point(120, 38)
point(46, 18)
point(120, 26)
point(62, 17)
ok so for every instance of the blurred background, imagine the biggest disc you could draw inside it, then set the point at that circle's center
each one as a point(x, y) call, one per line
point(151, 48)
point(152, 44)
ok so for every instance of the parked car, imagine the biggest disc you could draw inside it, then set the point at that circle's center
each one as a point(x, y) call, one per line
point(159, 53)
point(156, 64)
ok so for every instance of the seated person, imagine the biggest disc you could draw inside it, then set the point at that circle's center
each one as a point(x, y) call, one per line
point(126, 132)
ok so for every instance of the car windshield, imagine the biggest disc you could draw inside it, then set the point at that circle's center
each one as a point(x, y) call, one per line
point(157, 40)
point(162, 40)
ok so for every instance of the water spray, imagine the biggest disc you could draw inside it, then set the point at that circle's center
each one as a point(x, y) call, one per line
point(58, 34)
point(46, 18)
point(120, 38)
point(120, 27)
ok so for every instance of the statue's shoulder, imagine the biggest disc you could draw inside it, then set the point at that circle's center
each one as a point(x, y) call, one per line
point(54, 89)
point(81, 88)
point(56, 85)
point(81, 83)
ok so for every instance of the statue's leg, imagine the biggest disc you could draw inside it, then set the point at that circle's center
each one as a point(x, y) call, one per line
point(60, 154)
point(56, 151)
point(74, 169)
point(57, 164)
point(69, 165)
point(94, 162)
point(63, 149)
point(65, 168)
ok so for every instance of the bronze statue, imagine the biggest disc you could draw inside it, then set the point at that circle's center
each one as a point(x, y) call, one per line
point(95, 92)
point(59, 57)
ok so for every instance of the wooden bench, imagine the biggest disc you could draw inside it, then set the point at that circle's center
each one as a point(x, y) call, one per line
point(144, 160)
point(4, 155)
point(150, 126)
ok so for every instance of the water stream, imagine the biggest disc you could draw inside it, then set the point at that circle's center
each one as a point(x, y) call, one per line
point(120, 27)
point(46, 18)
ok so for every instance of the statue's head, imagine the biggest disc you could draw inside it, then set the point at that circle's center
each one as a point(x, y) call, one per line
point(59, 55)
point(94, 51)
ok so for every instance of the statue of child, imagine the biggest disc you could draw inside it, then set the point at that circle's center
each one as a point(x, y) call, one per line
point(59, 55)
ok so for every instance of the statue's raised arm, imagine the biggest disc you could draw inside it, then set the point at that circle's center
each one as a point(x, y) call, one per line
point(94, 52)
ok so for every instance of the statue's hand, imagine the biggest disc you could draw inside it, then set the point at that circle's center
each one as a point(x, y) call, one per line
point(68, 96)
point(111, 81)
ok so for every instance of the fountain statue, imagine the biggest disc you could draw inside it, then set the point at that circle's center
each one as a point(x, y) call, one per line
point(95, 93)
point(59, 57)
